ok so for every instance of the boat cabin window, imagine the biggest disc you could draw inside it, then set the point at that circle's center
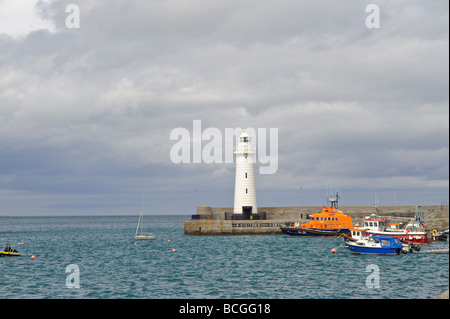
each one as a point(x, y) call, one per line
point(385, 242)
point(244, 139)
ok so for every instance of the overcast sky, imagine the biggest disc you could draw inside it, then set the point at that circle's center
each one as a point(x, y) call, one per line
point(86, 113)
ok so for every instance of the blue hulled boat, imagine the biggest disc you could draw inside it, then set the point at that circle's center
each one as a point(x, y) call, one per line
point(376, 245)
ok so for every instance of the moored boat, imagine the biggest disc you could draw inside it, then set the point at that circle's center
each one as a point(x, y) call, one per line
point(376, 245)
point(140, 235)
point(414, 231)
point(439, 235)
point(441, 250)
point(9, 251)
point(329, 222)
point(356, 233)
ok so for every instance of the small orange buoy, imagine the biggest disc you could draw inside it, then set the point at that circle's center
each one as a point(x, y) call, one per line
point(169, 240)
point(174, 250)
point(32, 257)
point(21, 243)
point(333, 251)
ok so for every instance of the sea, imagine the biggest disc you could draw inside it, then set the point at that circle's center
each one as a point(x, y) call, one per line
point(95, 257)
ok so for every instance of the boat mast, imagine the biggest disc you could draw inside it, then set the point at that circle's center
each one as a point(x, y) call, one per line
point(141, 216)
point(333, 201)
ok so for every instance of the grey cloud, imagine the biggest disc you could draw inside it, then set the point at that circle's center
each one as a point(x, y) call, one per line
point(90, 110)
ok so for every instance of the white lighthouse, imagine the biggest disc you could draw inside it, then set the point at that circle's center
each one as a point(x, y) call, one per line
point(244, 189)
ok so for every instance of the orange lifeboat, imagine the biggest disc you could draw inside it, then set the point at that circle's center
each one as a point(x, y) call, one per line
point(329, 222)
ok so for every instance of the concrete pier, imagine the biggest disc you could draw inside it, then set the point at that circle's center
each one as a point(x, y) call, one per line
point(221, 220)
point(233, 227)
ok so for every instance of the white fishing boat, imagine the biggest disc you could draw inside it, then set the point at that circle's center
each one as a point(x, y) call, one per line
point(414, 231)
point(441, 250)
point(140, 235)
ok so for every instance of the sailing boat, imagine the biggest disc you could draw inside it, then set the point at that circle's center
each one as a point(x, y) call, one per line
point(139, 234)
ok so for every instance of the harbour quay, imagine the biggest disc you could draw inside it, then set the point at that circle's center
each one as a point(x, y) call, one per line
point(268, 220)
point(247, 218)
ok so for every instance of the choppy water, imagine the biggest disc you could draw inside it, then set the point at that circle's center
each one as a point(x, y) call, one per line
point(111, 265)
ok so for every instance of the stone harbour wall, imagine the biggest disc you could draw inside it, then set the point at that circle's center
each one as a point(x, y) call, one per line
point(212, 220)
